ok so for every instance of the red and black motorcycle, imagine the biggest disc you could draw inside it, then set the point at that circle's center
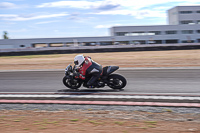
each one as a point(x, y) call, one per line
point(114, 81)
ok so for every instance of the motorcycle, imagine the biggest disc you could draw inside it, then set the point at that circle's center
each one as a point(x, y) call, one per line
point(114, 81)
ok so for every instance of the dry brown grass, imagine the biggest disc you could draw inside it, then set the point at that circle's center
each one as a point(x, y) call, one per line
point(96, 122)
point(176, 58)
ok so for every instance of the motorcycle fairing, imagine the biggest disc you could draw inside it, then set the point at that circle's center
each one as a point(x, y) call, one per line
point(109, 69)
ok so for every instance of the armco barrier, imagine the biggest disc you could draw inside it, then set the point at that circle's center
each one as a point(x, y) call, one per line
point(95, 49)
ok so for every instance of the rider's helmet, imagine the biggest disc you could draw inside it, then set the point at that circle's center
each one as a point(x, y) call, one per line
point(78, 60)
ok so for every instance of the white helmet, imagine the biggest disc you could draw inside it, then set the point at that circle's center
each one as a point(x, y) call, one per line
point(78, 60)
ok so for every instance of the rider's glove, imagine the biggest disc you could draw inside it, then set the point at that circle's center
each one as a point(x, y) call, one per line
point(76, 74)
point(77, 69)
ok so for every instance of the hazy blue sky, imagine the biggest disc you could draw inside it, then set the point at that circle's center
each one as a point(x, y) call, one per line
point(75, 18)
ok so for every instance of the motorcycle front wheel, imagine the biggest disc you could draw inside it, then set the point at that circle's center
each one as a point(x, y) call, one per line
point(71, 83)
point(116, 81)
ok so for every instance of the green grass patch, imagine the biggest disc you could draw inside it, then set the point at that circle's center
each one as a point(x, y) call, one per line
point(16, 120)
point(151, 126)
point(151, 122)
point(39, 123)
point(95, 122)
point(74, 120)
point(167, 110)
point(52, 122)
point(73, 123)
point(92, 121)
point(42, 128)
point(136, 125)
point(119, 122)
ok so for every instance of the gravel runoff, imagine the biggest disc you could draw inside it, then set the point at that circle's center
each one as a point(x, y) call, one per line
point(58, 107)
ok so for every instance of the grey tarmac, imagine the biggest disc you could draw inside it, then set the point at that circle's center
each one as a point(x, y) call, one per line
point(169, 81)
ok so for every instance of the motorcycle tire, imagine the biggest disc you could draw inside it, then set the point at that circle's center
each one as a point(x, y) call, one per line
point(116, 81)
point(70, 83)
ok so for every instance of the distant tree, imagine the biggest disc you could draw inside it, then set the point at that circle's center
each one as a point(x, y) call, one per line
point(5, 36)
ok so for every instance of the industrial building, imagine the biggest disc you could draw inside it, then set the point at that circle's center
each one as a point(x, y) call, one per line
point(183, 27)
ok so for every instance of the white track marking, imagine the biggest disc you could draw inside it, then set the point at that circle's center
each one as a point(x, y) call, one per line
point(98, 96)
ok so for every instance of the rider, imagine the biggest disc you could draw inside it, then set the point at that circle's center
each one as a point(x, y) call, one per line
point(86, 66)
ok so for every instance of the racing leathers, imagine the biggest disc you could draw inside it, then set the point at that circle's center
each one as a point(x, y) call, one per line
point(89, 68)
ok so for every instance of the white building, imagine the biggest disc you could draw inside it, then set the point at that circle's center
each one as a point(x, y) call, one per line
point(184, 27)
point(184, 15)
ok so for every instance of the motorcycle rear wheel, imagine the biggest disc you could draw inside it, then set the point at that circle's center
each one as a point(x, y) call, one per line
point(116, 81)
point(71, 83)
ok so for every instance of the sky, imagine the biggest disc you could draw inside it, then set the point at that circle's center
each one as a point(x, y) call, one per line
point(80, 18)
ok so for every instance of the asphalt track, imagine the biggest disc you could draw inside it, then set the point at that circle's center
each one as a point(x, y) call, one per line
point(140, 81)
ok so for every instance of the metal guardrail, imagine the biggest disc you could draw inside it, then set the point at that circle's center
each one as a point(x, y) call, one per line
point(96, 47)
